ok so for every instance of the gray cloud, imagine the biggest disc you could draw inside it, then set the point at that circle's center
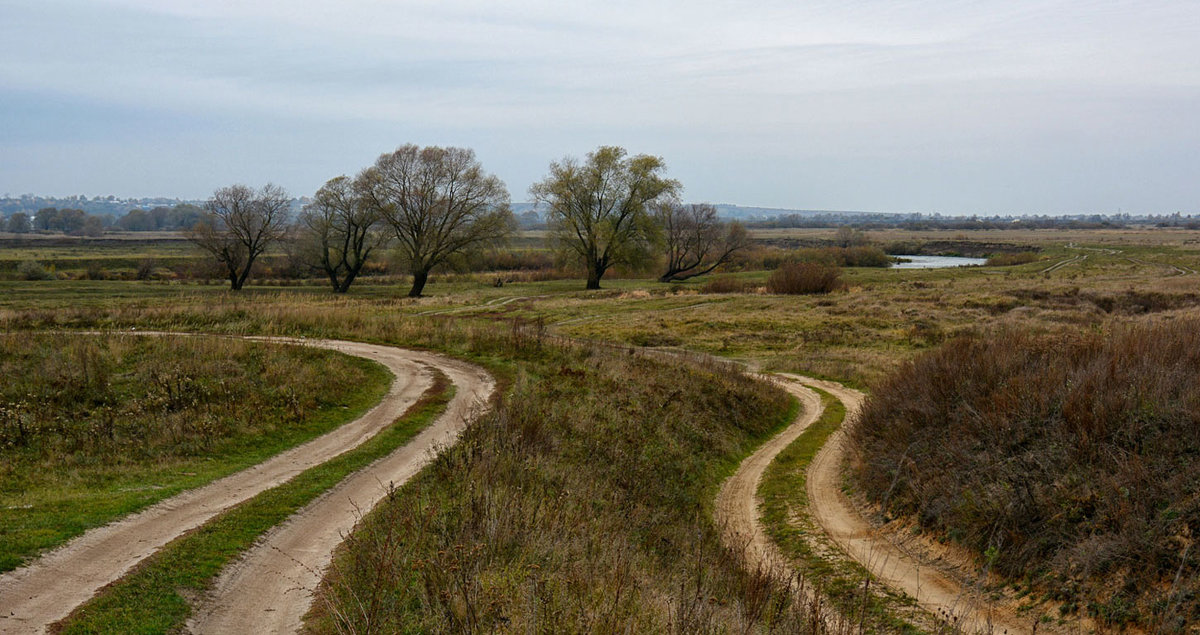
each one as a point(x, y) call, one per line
point(953, 106)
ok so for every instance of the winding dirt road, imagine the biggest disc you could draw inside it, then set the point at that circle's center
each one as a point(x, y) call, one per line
point(737, 503)
point(271, 587)
point(935, 591)
point(48, 589)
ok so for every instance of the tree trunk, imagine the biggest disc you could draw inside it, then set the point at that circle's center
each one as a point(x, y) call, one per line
point(593, 279)
point(419, 280)
point(244, 276)
point(346, 281)
point(234, 283)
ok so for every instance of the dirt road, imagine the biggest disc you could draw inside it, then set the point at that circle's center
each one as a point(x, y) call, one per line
point(935, 591)
point(271, 587)
point(49, 588)
point(737, 503)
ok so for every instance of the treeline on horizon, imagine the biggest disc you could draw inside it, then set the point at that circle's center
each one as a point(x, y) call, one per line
point(79, 216)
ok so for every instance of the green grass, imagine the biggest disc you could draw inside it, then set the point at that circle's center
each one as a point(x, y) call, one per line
point(785, 516)
point(115, 424)
point(154, 597)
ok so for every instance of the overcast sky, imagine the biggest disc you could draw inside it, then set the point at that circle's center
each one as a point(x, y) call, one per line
point(950, 106)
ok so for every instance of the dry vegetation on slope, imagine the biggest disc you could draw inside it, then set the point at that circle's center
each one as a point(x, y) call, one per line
point(1069, 462)
point(582, 504)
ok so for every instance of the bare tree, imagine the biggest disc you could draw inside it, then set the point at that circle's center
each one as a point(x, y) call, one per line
point(338, 232)
point(239, 224)
point(696, 240)
point(847, 236)
point(438, 202)
point(598, 209)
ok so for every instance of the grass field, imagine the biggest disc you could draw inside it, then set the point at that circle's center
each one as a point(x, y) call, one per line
point(1083, 281)
point(93, 427)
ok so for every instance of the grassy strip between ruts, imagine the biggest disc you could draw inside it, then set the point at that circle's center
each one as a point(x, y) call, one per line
point(154, 597)
point(842, 581)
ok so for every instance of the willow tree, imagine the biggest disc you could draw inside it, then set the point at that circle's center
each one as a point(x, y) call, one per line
point(598, 209)
point(338, 232)
point(438, 202)
point(239, 224)
point(696, 240)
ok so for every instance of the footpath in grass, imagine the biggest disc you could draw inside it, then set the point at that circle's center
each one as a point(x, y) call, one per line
point(785, 516)
point(154, 598)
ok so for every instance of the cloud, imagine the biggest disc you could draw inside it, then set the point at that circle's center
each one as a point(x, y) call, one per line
point(880, 83)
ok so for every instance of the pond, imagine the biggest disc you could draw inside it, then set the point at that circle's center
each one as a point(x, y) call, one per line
point(935, 262)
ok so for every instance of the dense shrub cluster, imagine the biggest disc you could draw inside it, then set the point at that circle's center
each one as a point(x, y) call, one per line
point(803, 278)
point(1070, 461)
point(772, 257)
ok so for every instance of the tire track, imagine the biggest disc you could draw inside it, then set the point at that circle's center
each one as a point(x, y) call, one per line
point(271, 587)
point(49, 588)
point(934, 591)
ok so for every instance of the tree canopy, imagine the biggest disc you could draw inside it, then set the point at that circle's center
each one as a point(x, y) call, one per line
point(438, 202)
point(338, 232)
point(597, 209)
point(696, 240)
point(239, 224)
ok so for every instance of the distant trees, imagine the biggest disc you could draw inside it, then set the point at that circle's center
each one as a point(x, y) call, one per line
point(597, 209)
point(239, 223)
point(438, 202)
point(46, 219)
point(182, 216)
point(338, 231)
point(696, 241)
point(19, 223)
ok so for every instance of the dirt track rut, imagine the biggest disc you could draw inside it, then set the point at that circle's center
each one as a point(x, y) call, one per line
point(737, 503)
point(271, 588)
point(935, 591)
point(49, 588)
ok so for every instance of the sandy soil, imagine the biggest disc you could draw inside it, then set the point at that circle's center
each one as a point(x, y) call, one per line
point(935, 590)
point(49, 588)
point(737, 503)
point(271, 587)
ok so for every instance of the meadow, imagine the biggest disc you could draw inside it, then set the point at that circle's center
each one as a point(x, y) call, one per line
point(600, 464)
point(93, 427)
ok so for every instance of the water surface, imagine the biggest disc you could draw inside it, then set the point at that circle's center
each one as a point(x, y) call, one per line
point(936, 262)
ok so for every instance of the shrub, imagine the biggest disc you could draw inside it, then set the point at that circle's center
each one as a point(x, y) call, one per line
point(804, 278)
point(33, 270)
point(1069, 459)
point(145, 268)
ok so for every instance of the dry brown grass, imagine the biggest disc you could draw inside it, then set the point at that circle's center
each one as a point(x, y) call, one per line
point(582, 504)
point(1066, 461)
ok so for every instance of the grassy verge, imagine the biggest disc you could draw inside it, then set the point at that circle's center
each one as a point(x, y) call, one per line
point(154, 598)
point(785, 516)
point(95, 427)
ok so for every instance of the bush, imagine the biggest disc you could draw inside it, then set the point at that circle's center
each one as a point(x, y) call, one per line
point(1069, 459)
point(33, 270)
point(725, 284)
point(145, 268)
point(1016, 258)
point(804, 278)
